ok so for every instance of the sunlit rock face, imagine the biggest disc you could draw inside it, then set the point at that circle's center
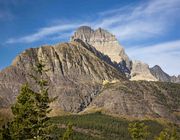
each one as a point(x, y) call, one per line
point(106, 43)
point(75, 74)
point(141, 71)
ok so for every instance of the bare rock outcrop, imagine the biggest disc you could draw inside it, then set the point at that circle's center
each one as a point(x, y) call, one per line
point(160, 74)
point(106, 43)
point(175, 79)
point(141, 71)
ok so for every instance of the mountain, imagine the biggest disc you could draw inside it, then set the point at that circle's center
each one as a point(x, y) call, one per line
point(175, 79)
point(106, 43)
point(141, 71)
point(160, 74)
point(75, 74)
point(86, 80)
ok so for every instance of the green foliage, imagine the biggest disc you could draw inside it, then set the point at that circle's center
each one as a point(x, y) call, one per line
point(68, 135)
point(168, 134)
point(138, 131)
point(6, 132)
point(97, 126)
point(30, 112)
point(24, 124)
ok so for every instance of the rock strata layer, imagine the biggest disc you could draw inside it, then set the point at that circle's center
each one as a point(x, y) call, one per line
point(75, 74)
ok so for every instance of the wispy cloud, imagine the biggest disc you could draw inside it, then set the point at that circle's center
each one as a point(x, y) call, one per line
point(144, 20)
point(141, 21)
point(43, 32)
point(166, 54)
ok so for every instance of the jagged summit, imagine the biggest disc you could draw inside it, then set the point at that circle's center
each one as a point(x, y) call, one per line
point(160, 74)
point(87, 34)
point(163, 76)
point(104, 42)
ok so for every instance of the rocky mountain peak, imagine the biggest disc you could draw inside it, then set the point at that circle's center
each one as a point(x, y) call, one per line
point(160, 74)
point(157, 67)
point(141, 71)
point(84, 33)
point(104, 42)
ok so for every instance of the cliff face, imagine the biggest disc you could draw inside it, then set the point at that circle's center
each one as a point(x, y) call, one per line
point(106, 43)
point(75, 75)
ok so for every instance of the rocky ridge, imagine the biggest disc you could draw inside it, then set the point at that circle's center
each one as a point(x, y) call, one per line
point(75, 74)
point(175, 79)
point(106, 43)
point(162, 76)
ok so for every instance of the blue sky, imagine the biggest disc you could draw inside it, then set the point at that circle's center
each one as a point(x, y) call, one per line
point(149, 30)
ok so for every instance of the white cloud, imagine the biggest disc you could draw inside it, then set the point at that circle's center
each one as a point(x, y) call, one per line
point(167, 55)
point(43, 32)
point(144, 20)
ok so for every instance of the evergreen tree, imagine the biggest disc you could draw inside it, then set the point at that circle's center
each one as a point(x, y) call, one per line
point(138, 131)
point(30, 111)
point(24, 124)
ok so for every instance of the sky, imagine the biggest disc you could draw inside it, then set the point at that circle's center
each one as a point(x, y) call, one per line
point(149, 30)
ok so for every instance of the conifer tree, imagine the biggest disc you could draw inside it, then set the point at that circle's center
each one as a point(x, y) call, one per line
point(24, 122)
point(30, 111)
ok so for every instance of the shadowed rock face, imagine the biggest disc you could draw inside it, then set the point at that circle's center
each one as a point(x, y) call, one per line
point(160, 74)
point(104, 42)
point(75, 75)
